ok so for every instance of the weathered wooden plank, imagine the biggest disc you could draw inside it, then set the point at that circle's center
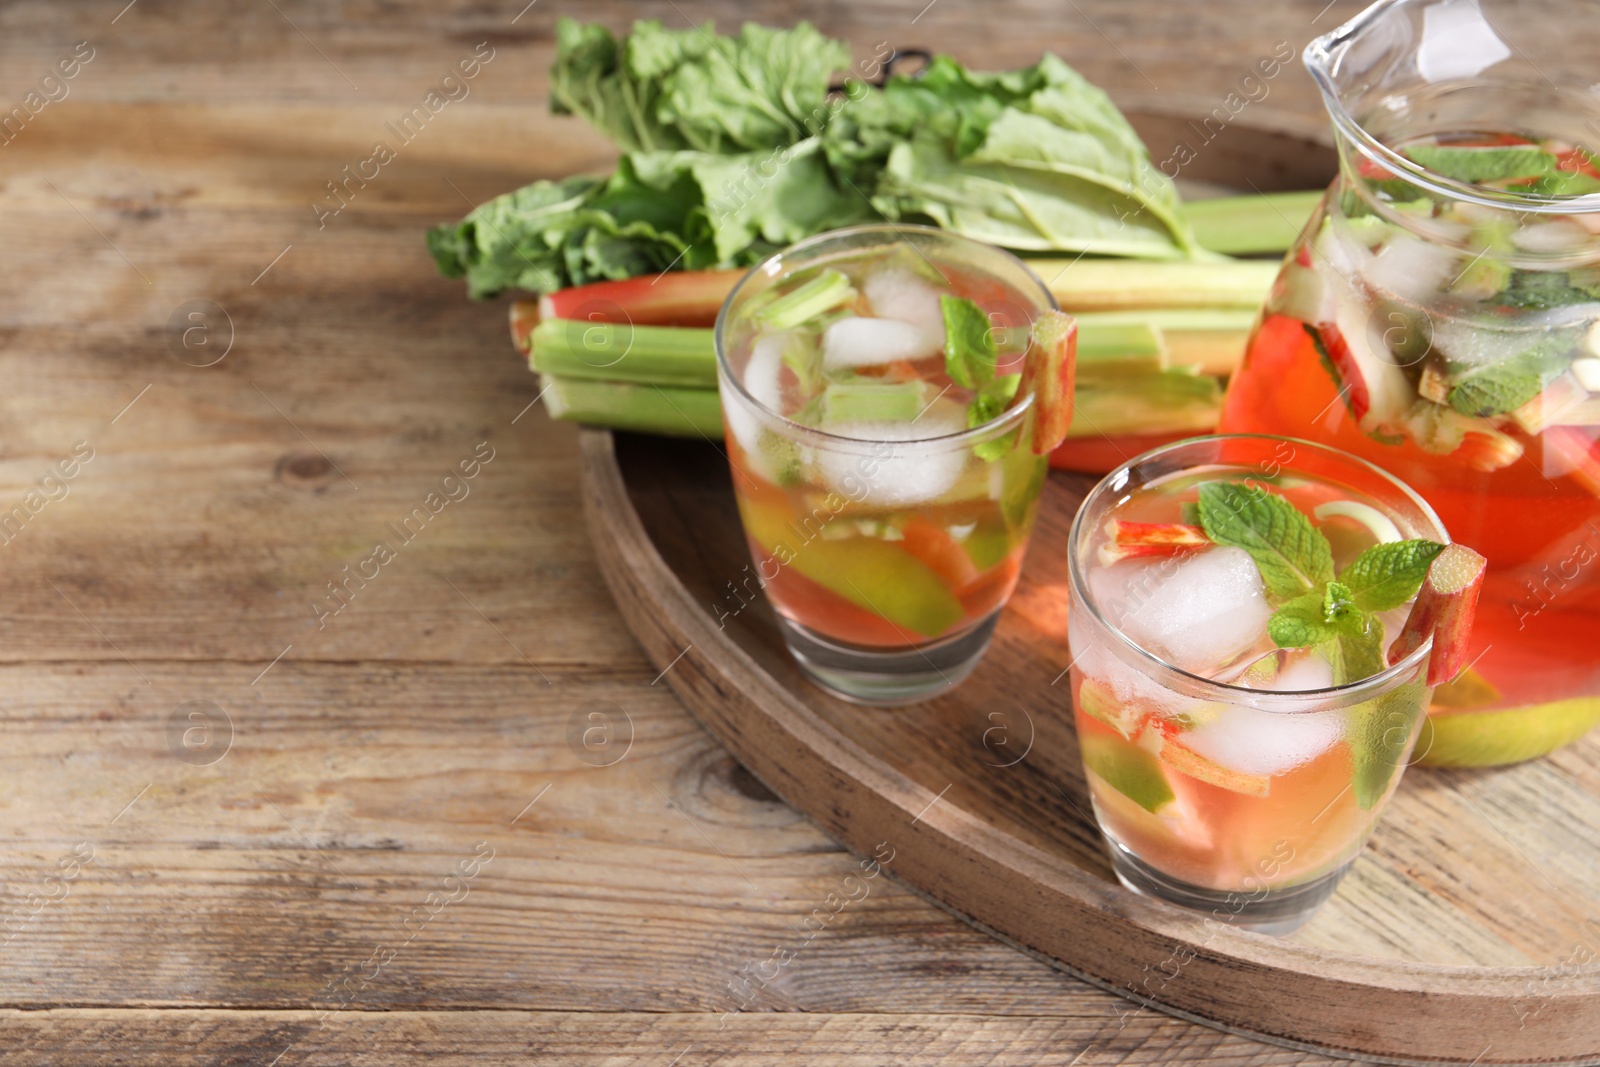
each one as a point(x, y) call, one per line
point(581, 1039)
point(348, 794)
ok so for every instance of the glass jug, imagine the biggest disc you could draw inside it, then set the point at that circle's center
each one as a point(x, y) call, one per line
point(1440, 317)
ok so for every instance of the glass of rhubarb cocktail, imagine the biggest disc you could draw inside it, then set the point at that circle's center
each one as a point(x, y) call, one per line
point(889, 394)
point(1256, 627)
point(1440, 316)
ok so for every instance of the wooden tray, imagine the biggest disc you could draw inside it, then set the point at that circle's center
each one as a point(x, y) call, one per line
point(1467, 932)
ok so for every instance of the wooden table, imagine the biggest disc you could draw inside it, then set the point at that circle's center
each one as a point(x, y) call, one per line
point(243, 827)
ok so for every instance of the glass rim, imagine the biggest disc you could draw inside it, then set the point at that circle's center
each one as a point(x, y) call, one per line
point(1314, 700)
point(1007, 418)
point(1322, 54)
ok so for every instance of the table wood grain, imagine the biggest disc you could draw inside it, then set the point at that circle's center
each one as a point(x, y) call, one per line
point(239, 830)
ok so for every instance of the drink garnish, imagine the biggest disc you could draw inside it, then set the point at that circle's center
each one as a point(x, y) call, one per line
point(1294, 556)
point(1316, 608)
point(969, 348)
point(1446, 604)
point(1048, 375)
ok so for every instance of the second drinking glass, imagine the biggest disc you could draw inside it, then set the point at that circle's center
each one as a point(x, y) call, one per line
point(884, 476)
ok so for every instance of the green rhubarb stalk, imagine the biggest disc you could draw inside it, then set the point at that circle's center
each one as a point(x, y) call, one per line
point(1174, 401)
point(686, 355)
point(673, 411)
point(1079, 284)
point(821, 294)
point(1126, 284)
point(858, 401)
point(1167, 402)
point(653, 355)
point(1251, 225)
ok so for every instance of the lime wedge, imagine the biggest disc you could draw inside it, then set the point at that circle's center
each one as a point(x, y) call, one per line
point(1128, 769)
point(1492, 738)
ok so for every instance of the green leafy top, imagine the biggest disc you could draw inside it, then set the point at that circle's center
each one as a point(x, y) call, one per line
point(733, 148)
point(1315, 608)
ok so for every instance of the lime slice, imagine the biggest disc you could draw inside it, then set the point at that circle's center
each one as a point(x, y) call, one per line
point(1128, 769)
point(1492, 738)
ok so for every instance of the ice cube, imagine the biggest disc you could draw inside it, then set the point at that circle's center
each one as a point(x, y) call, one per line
point(1198, 612)
point(867, 342)
point(763, 374)
point(763, 380)
point(1411, 268)
point(898, 292)
point(1252, 741)
point(1300, 671)
point(897, 474)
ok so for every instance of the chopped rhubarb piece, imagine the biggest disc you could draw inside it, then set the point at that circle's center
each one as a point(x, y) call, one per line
point(941, 553)
point(1444, 610)
point(1155, 533)
point(1488, 450)
point(1433, 385)
point(1048, 376)
point(1381, 526)
point(1166, 747)
point(1110, 552)
point(524, 317)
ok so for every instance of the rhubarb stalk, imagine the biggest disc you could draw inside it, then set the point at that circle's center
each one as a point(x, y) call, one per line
point(1444, 611)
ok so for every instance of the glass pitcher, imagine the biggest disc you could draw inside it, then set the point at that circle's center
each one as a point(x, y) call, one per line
point(1440, 317)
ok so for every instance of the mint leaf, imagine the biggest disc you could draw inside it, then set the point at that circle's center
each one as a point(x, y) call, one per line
point(986, 406)
point(1386, 576)
point(1325, 614)
point(1357, 652)
point(1300, 623)
point(1544, 289)
point(1378, 732)
point(1497, 388)
point(969, 352)
point(1483, 164)
point(1294, 556)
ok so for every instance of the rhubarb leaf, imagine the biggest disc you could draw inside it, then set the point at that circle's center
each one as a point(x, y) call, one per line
point(1387, 576)
point(1294, 557)
point(693, 88)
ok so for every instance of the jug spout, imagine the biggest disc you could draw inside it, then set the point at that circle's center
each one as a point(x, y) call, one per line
point(1469, 74)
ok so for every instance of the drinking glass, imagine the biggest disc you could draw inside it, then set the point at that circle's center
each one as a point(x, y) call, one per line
point(887, 549)
point(1215, 789)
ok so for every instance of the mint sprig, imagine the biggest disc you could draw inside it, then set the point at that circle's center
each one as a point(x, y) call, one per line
point(1316, 609)
point(1293, 556)
point(1386, 576)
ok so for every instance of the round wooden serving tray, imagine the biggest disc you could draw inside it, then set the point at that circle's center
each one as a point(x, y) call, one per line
point(1468, 931)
